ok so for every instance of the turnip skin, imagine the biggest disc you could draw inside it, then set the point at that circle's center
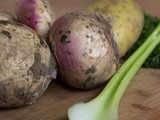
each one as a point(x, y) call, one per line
point(126, 17)
point(26, 65)
point(85, 48)
point(6, 16)
point(36, 14)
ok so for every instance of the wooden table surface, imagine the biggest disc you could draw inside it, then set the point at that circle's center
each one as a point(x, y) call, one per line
point(140, 102)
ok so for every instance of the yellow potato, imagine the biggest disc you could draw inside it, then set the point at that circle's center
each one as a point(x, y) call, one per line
point(126, 17)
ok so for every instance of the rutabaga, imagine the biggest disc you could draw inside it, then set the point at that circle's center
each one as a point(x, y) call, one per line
point(105, 106)
point(126, 17)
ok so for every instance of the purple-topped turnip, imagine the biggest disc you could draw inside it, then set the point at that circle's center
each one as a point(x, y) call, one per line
point(36, 14)
point(85, 48)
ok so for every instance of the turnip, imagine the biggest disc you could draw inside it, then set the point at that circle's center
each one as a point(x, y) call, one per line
point(85, 48)
point(105, 105)
point(36, 14)
point(6, 16)
point(26, 65)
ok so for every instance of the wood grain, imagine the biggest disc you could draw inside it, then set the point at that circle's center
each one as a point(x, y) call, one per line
point(140, 102)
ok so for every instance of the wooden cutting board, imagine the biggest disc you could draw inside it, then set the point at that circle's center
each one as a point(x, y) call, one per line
point(140, 102)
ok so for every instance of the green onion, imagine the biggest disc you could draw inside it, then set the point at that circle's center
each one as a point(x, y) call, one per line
point(105, 105)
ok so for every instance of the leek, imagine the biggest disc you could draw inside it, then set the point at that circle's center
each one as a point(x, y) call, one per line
point(105, 105)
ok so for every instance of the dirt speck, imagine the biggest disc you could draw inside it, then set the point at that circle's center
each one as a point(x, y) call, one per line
point(7, 34)
point(91, 70)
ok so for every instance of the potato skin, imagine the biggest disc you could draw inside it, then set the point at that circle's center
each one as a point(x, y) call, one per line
point(6, 16)
point(26, 65)
point(126, 17)
point(86, 51)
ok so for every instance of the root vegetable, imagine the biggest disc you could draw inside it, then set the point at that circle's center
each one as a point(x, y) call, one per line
point(126, 17)
point(36, 14)
point(106, 104)
point(84, 46)
point(26, 65)
point(6, 16)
